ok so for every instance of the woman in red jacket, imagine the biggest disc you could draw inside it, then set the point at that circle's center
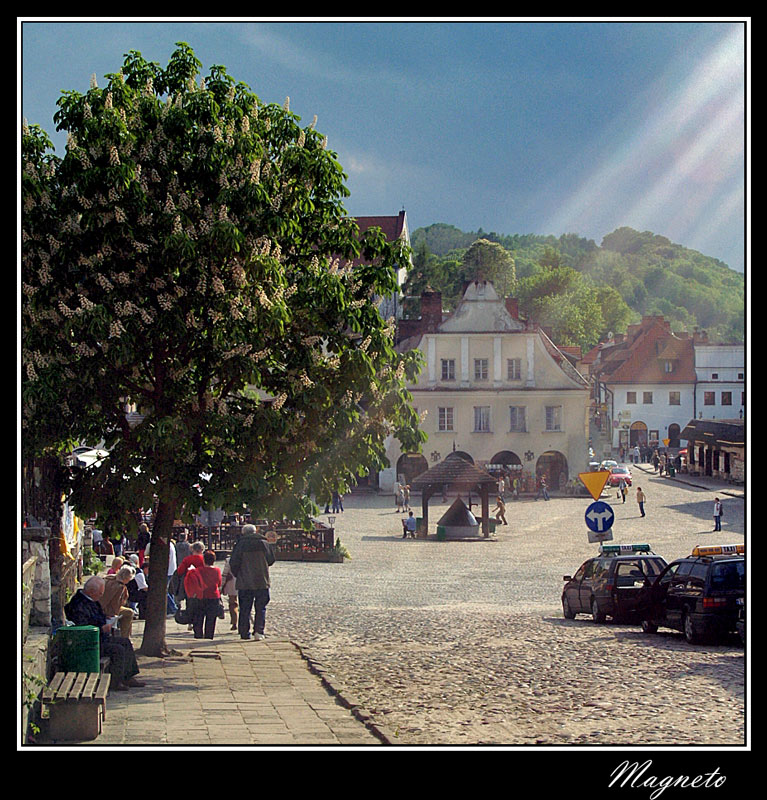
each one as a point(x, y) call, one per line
point(204, 620)
point(193, 562)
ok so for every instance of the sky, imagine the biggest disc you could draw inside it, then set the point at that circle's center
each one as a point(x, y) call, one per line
point(512, 126)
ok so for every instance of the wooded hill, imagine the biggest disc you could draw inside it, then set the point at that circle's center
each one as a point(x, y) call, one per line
point(652, 275)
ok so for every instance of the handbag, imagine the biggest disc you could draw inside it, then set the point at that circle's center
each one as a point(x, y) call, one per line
point(183, 616)
point(221, 611)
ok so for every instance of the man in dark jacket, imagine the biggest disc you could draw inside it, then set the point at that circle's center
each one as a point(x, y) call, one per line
point(250, 561)
point(84, 609)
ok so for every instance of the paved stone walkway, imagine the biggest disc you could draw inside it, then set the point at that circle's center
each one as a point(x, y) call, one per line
point(227, 691)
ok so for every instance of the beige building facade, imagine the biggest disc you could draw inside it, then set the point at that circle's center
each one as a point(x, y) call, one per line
point(496, 390)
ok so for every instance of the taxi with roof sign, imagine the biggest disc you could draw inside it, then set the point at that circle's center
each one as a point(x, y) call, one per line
point(611, 584)
point(698, 594)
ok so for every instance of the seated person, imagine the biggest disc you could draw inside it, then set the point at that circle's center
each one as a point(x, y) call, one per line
point(410, 526)
point(84, 609)
point(137, 589)
point(114, 601)
point(117, 562)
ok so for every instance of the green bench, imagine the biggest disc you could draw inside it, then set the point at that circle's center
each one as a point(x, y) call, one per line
point(76, 703)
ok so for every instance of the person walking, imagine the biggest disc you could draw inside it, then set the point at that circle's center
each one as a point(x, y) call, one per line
point(406, 497)
point(250, 561)
point(641, 499)
point(717, 514)
point(543, 489)
point(500, 511)
point(204, 621)
point(398, 498)
point(229, 588)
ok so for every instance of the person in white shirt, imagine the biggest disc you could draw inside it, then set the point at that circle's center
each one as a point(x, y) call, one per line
point(717, 514)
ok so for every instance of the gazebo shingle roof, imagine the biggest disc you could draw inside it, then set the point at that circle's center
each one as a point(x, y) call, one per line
point(453, 471)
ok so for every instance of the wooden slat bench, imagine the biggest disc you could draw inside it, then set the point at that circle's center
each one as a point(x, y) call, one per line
point(76, 703)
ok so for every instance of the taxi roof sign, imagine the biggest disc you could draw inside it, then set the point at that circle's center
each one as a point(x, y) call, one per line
point(594, 481)
point(623, 549)
point(719, 550)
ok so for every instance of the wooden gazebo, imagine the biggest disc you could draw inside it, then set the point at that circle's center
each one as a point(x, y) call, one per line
point(455, 473)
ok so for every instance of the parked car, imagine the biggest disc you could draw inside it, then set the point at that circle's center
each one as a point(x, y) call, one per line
point(698, 594)
point(617, 474)
point(608, 464)
point(740, 624)
point(611, 584)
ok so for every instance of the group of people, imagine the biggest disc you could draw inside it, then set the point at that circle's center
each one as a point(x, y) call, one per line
point(110, 602)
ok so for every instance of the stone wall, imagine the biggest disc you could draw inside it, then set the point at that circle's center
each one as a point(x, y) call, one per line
point(34, 544)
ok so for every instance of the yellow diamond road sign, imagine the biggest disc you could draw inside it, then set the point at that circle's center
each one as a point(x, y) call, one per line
point(594, 481)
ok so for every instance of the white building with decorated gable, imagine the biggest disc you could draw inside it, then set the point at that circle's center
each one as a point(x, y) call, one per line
point(494, 389)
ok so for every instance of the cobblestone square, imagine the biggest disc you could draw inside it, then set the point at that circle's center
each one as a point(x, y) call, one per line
point(464, 642)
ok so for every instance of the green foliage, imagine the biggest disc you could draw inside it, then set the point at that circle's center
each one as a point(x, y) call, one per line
point(190, 255)
point(92, 564)
point(632, 273)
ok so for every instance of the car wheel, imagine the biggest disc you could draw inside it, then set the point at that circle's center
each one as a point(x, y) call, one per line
point(689, 631)
point(648, 626)
point(598, 616)
point(566, 609)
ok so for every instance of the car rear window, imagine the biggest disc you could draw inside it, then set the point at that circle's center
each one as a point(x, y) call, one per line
point(728, 575)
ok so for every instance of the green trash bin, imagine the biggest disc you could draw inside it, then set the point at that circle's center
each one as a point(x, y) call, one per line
point(78, 648)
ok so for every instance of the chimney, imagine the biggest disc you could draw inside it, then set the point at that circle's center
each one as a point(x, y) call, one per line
point(512, 306)
point(431, 309)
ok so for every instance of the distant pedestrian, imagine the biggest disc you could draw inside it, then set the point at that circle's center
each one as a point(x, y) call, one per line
point(622, 490)
point(406, 497)
point(500, 511)
point(335, 502)
point(641, 499)
point(543, 489)
point(501, 486)
point(636, 455)
point(717, 514)
point(250, 561)
point(229, 588)
point(515, 488)
point(399, 498)
point(183, 548)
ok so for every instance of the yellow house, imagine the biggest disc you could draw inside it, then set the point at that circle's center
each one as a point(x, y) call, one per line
point(496, 390)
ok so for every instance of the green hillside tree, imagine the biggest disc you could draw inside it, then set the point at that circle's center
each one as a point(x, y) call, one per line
point(190, 257)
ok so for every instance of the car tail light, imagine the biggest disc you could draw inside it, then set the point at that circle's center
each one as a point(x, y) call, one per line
point(714, 602)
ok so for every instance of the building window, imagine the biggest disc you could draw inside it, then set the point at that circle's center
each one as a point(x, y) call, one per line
point(482, 419)
point(446, 419)
point(553, 418)
point(517, 419)
point(726, 398)
point(709, 398)
point(631, 398)
point(740, 376)
point(480, 369)
point(647, 398)
point(675, 398)
point(714, 376)
point(448, 369)
point(514, 369)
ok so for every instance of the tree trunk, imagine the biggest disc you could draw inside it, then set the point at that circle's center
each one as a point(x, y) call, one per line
point(153, 643)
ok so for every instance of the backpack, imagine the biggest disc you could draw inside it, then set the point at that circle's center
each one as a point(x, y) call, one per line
point(194, 586)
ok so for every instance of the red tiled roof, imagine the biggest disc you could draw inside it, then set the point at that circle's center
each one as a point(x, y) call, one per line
point(644, 357)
